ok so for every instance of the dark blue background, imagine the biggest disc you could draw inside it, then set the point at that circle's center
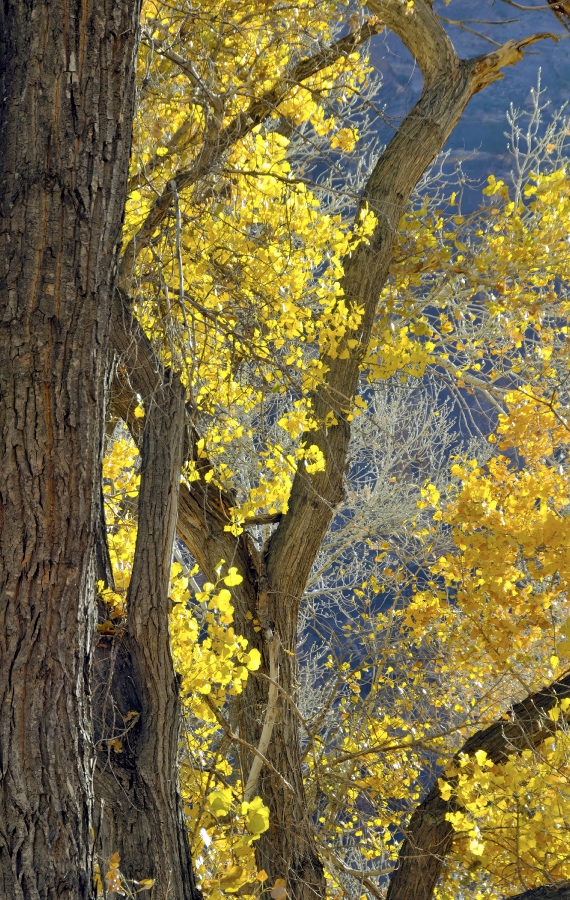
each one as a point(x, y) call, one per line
point(480, 132)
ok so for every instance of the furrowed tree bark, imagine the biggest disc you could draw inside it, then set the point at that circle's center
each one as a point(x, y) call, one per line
point(140, 813)
point(67, 74)
point(429, 836)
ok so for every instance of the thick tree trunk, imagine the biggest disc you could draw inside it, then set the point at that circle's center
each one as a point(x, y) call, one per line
point(66, 87)
point(140, 809)
point(288, 849)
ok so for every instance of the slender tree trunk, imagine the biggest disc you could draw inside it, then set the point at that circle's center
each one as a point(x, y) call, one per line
point(66, 88)
point(139, 811)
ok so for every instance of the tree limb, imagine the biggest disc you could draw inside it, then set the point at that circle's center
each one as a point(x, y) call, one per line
point(449, 83)
point(235, 738)
point(268, 723)
point(141, 806)
point(561, 10)
point(238, 128)
point(362, 876)
point(559, 891)
point(429, 835)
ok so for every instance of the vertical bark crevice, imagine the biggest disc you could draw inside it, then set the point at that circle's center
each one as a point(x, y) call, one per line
point(67, 72)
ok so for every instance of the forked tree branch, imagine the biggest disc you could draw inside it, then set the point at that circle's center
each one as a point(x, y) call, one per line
point(449, 83)
point(561, 9)
point(429, 835)
point(222, 139)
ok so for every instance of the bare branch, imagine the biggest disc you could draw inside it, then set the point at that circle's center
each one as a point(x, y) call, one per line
point(242, 743)
point(362, 876)
point(562, 12)
point(560, 8)
point(268, 723)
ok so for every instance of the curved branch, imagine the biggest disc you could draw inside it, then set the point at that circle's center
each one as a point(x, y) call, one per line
point(449, 83)
point(421, 31)
point(429, 834)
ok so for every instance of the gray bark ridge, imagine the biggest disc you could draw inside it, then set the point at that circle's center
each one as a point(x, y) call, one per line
point(429, 836)
point(67, 73)
point(144, 821)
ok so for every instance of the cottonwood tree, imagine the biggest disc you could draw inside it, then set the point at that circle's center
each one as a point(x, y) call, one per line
point(195, 276)
point(204, 304)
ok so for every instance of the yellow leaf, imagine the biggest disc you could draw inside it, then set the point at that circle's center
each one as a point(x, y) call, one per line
point(257, 817)
point(477, 847)
point(233, 879)
point(481, 757)
point(554, 713)
point(233, 577)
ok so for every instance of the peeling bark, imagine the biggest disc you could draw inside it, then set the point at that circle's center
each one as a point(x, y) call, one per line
point(66, 90)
